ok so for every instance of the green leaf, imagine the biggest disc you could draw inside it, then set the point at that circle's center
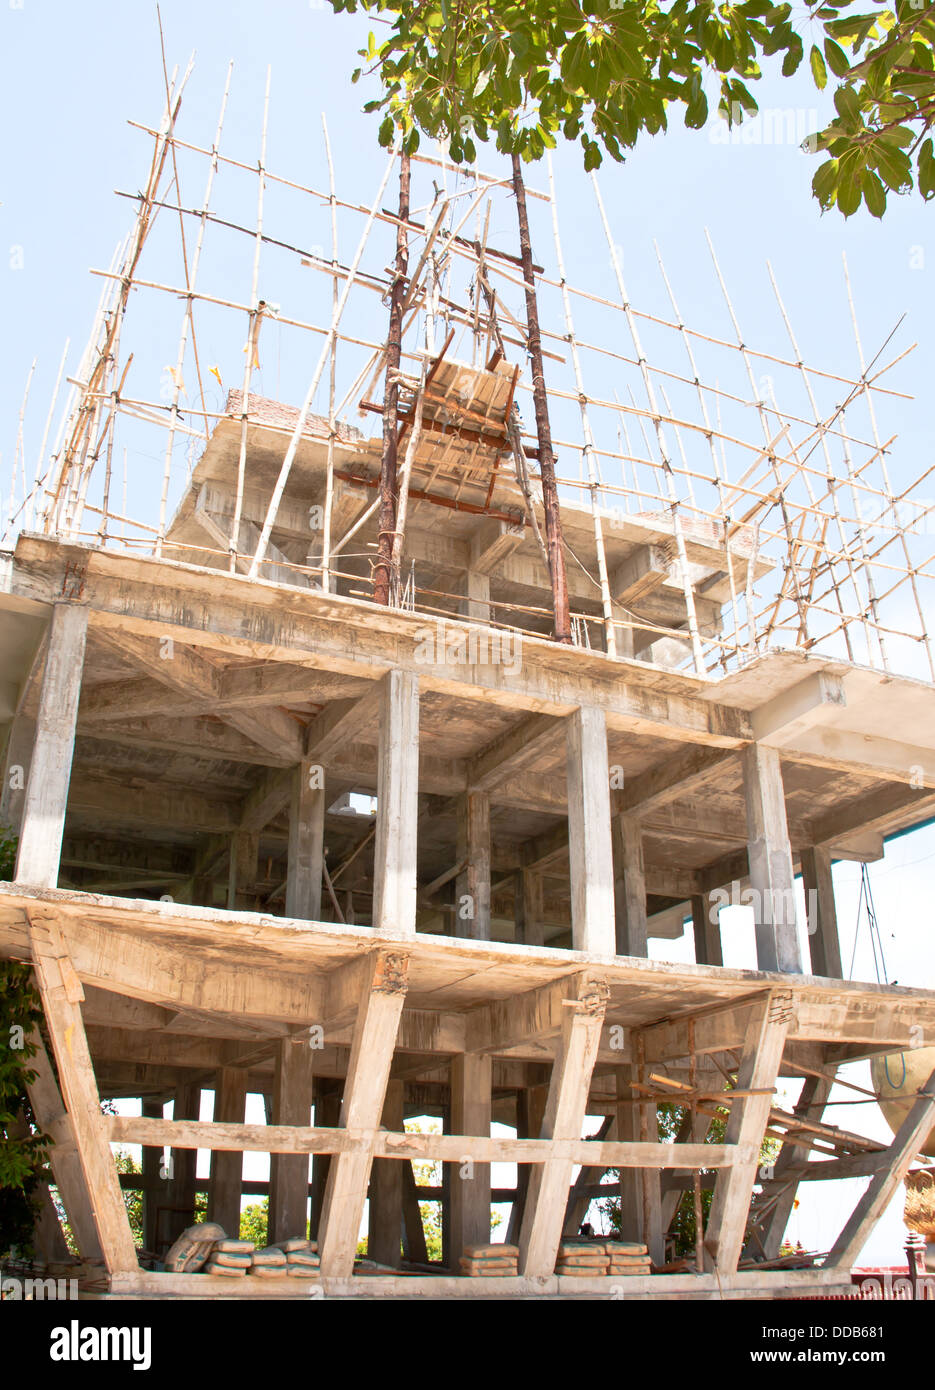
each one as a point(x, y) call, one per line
point(926, 170)
point(874, 195)
point(849, 198)
point(819, 71)
point(836, 58)
point(824, 182)
point(847, 105)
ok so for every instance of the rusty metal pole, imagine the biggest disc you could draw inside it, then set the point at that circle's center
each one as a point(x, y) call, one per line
point(553, 520)
point(386, 524)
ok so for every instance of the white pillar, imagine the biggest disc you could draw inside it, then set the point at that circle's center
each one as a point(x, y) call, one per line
point(306, 843)
point(589, 839)
point(770, 858)
point(394, 886)
point(40, 845)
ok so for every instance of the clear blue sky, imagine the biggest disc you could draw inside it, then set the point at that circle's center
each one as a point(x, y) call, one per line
point(72, 74)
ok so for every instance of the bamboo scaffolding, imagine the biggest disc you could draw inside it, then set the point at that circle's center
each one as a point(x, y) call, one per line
point(841, 541)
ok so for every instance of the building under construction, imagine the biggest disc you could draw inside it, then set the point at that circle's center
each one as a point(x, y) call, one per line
point(357, 748)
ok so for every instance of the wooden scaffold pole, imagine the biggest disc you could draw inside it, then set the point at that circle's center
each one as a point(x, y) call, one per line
point(385, 581)
point(553, 521)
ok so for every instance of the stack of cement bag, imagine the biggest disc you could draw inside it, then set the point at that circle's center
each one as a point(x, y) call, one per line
point(626, 1257)
point(205, 1248)
point(490, 1261)
point(302, 1259)
point(190, 1252)
point(297, 1257)
point(584, 1259)
point(230, 1257)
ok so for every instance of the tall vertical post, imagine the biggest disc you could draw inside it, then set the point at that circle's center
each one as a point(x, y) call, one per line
point(394, 873)
point(628, 1131)
point(385, 1227)
point(706, 926)
point(471, 1079)
point(472, 889)
point(530, 1113)
point(186, 1105)
point(824, 944)
point(631, 924)
point(528, 898)
point(230, 1100)
point(383, 577)
point(40, 845)
point(589, 838)
point(476, 605)
point(292, 1105)
point(770, 858)
point(242, 874)
point(153, 1180)
point(327, 1116)
point(306, 843)
point(553, 520)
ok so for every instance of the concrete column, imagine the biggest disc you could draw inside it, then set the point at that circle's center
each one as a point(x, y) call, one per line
point(230, 1100)
point(472, 886)
point(629, 887)
point(707, 930)
point(181, 1196)
point(628, 1131)
point(328, 1116)
point(306, 842)
point(530, 927)
point(154, 1185)
point(530, 1113)
point(476, 606)
point(46, 799)
point(824, 944)
point(394, 887)
point(471, 1078)
point(589, 837)
point(292, 1105)
point(770, 857)
point(243, 872)
point(385, 1221)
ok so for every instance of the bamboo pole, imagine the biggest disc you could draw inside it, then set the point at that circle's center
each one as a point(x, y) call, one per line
point(697, 654)
point(553, 522)
point(385, 579)
point(313, 387)
point(588, 451)
point(254, 323)
point(332, 421)
point(883, 468)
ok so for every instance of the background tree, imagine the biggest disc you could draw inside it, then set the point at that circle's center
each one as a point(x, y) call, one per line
point(526, 75)
point(682, 1226)
point(23, 1148)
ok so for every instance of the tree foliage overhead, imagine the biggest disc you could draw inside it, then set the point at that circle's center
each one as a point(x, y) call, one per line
point(527, 74)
